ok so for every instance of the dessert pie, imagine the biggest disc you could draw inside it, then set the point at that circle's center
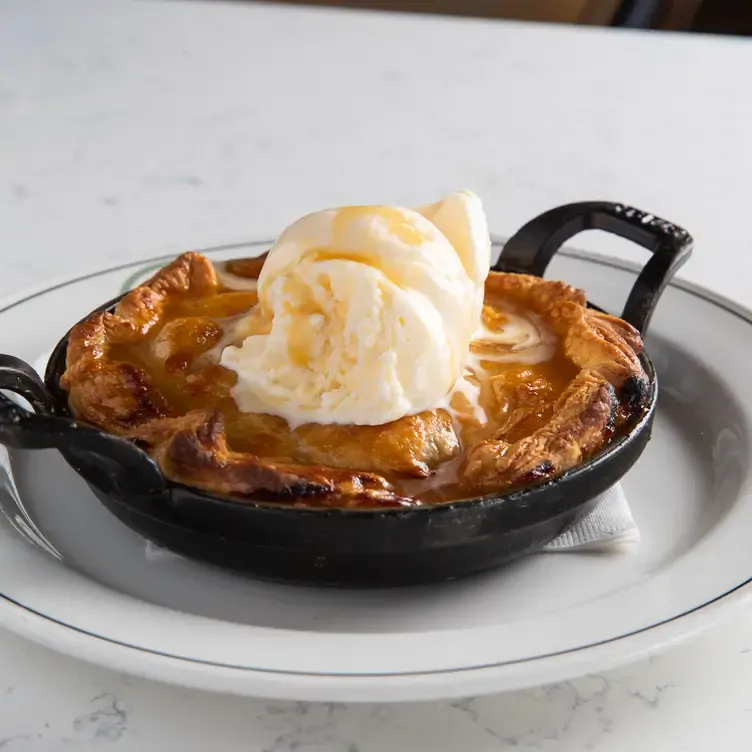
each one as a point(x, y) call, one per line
point(369, 359)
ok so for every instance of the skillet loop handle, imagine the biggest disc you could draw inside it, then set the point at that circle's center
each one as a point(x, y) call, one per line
point(126, 465)
point(532, 247)
point(19, 377)
point(19, 427)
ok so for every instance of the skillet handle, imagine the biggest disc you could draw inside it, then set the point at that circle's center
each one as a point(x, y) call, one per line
point(128, 466)
point(532, 247)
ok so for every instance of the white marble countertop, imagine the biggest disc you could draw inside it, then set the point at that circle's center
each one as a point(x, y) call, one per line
point(134, 128)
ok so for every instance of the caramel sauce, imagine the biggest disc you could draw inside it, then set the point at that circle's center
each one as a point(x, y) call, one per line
point(500, 395)
point(488, 414)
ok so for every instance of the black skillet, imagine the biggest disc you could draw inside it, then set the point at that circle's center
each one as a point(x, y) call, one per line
point(352, 547)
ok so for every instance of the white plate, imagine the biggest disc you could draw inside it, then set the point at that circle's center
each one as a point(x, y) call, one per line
point(75, 579)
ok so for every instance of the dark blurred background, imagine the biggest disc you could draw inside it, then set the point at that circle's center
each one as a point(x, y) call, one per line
point(713, 16)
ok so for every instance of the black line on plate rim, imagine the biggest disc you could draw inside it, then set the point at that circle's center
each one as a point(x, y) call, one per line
point(392, 675)
point(567, 252)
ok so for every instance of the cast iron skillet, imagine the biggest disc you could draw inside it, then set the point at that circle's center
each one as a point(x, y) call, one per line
point(352, 547)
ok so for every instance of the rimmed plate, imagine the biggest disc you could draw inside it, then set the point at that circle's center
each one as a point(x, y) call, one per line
point(75, 579)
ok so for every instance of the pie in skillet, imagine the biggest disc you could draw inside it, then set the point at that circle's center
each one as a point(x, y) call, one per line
point(548, 383)
point(368, 359)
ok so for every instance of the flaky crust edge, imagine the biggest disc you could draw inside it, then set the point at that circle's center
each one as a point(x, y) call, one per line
point(606, 349)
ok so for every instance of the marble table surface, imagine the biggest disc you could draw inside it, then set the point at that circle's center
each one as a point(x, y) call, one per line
point(129, 129)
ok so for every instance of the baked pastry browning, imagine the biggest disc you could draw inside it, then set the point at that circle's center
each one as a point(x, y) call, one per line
point(524, 411)
point(609, 388)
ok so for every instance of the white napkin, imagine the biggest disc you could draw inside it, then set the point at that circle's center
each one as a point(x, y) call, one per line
point(609, 527)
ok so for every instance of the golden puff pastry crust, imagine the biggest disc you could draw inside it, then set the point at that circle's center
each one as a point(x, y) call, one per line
point(609, 388)
point(149, 371)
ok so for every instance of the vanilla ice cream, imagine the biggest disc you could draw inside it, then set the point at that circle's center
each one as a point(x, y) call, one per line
point(370, 311)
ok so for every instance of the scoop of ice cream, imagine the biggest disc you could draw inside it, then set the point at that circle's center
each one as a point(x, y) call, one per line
point(372, 311)
point(462, 220)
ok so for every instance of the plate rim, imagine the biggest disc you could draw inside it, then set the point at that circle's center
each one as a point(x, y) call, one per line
point(413, 684)
point(391, 688)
